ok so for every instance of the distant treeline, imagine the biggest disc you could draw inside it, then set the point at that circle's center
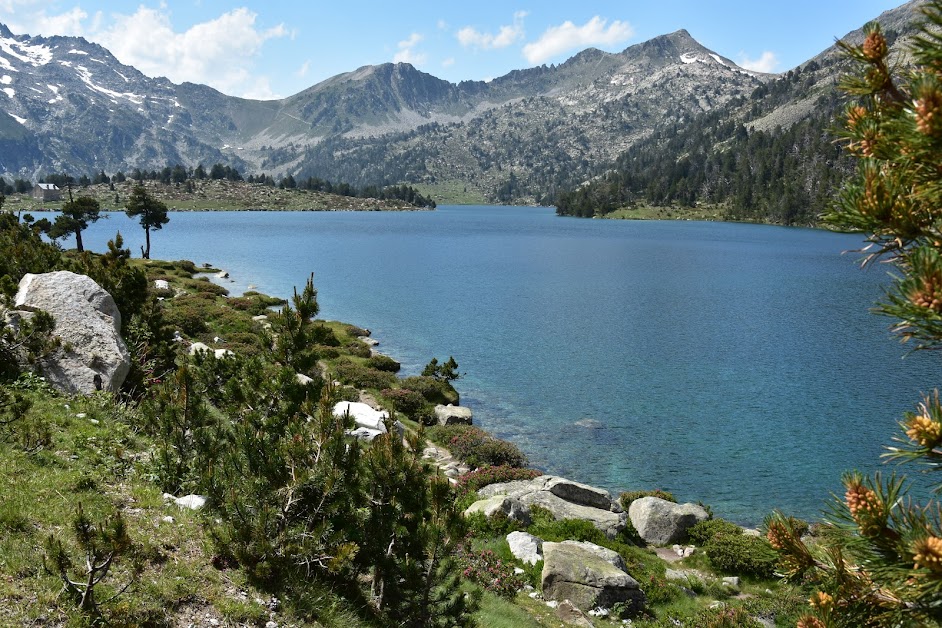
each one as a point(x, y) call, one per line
point(180, 175)
point(785, 176)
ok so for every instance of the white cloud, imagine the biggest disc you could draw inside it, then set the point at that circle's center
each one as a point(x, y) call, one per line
point(447, 63)
point(407, 52)
point(302, 71)
point(768, 62)
point(567, 36)
point(470, 37)
point(216, 52)
point(37, 21)
point(442, 25)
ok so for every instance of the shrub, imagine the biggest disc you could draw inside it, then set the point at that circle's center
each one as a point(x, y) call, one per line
point(739, 554)
point(433, 390)
point(382, 362)
point(404, 400)
point(490, 572)
point(479, 478)
point(359, 349)
point(627, 497)
point(362, 376)
point(476, 447)
point(355, 331)
point(703, 532)
point(187, 315)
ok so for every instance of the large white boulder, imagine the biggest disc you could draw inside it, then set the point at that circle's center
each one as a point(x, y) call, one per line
point(525, 547)
point(370, 423)
point(92, 356)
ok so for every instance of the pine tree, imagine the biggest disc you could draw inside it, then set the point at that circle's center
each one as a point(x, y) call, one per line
point(880, 563)
point(75, 218)
point(151, 213)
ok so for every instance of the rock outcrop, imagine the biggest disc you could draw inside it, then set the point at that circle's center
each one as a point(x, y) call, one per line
point(574, 572)
point(565, 499)
point(92, 355)
point(660, 522)
point(453, 415)
point(510, 507)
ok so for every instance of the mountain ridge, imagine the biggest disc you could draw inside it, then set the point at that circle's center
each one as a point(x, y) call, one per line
point(72, 106)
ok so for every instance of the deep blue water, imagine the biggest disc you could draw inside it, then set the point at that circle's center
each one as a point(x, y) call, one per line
point(733, 364)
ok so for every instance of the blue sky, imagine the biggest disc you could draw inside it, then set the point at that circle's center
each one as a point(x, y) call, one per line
point(275, 49)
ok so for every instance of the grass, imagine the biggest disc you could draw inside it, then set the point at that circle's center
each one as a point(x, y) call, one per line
point(212, 195)
point(452, 193)
point(643, 211)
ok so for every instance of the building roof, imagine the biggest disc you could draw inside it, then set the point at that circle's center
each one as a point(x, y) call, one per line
point(47, 186)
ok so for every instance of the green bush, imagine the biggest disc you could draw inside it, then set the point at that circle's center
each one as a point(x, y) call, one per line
point(355, 331)
point(188, 315)
point(362, 376)
point(703, 532)
point(404, 400)
point(627, 497)
point(433, 390)
point(741, 555)
point(476, 447)
point(359, 349)
point(382, 362)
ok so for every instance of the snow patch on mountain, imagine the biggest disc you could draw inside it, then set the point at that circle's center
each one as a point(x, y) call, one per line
point(86, 77)
point(18, 119)
point(6, 79)
point(75, 51)
point(717, 58)
point(34, 55)
point(9, 91)
point(689, 57)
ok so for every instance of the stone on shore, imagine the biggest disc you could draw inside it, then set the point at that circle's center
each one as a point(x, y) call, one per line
point(660, 522)
point(370, 422)
point(161, 284)
point(92, 355)
point(576, 573)
point(525, 547)
point(453, 415)
point(565, 499)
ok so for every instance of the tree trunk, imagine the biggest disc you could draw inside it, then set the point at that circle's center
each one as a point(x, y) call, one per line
point(147, 240)
point(78, 241)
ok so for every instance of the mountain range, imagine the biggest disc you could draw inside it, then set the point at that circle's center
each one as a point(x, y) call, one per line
point(71, 106)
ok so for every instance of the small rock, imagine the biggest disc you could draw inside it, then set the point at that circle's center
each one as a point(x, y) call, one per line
point(222, 275)
point(192, 502)
point(571, 615)
point(552, 603)
point(271, 624)
point(518, 571)
point(167, 519)
point(731, 581)
point(80, 415)
point(161, 284)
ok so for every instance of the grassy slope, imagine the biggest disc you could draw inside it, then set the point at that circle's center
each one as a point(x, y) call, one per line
point(215, 195)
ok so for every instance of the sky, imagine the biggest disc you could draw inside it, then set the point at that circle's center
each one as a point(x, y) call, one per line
point(274, 49)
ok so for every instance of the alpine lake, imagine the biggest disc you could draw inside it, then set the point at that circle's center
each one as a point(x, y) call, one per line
point(732, 364)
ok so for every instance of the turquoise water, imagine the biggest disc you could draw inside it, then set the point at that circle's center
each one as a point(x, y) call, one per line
point(733, 364)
